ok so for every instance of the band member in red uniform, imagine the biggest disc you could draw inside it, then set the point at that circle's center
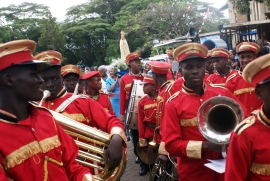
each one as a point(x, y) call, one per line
point(33, 146)
point(93, 89)
point(243, 90)
point(81, 87)
point(219, 57)
point(159, 70)
point(80, 108)
point(147, 116)
point(182, 137)
point(70, 74)
point(248, 155)
point(133, 61)
point(208, 65)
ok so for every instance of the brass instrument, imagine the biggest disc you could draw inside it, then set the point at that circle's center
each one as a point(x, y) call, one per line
point(218, 117)
point(92, 145)
point(162, 173)
point(147, 155)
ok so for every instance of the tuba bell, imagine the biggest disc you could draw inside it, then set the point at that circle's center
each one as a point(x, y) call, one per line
point(218, 117)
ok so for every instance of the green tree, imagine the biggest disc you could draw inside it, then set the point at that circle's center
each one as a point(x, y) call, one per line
point(22, 21)
point(50, 38)
point(242, 6)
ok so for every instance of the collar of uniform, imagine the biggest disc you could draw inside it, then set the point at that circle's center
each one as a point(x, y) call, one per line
point(61, 93)
point(164, 84)
point(7, 117)
point(225, 74)
point(189, 91)
point(135, 75)
point(12, 119)
point(263, 118)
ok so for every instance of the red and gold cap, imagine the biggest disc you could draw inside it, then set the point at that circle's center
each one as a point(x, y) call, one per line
point(18, 52)
point(51, 56)
point(258, 71)
point(81, 75)
point(133, 56)
point(169, 53)
point(220, 52)
point(160, 67)
point(190, 50)
point(67, 69)
point(209, 54)
point(148, 80)
point(247, 47)
point(91, 74)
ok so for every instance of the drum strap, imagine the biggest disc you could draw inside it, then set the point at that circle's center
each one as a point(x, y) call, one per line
point(67, 102)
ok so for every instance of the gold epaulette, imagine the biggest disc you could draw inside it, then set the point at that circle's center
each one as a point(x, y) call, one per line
point(169, 87)
point(173, 96)
point(218, 85)
point(245, 124)
point(231, 77)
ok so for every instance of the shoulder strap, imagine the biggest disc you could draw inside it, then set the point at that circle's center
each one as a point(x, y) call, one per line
point(68, 101)
point(173, 96)
point(245, 124)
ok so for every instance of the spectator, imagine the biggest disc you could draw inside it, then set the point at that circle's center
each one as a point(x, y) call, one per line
point(112, 85)
point(103, 73)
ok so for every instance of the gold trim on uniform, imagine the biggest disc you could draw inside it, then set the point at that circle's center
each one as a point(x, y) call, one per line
point(150, 106)
point(260, 169)
point(31, 149)
point(245, 124)
point(142, 142)
point(161, 149)
point(244, 90)
point(173, 96)
point(120, 132)
point(194, 149)
point(77, 117)
point(188, 122)
point(127, 86)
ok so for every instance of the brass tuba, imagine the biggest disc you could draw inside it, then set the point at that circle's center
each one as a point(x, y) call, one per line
point(218, 117)
point(92, 145)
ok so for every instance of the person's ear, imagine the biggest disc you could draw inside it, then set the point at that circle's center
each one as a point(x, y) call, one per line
point(8, 80)
point(258, 92)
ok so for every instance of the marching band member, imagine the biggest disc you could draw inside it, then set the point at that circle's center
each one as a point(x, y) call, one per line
point(33, 145)
point(243, 90)
point(147, 116)
point(160, 70)
point(208, 65)
point(219, 57)
point(133, 60)
point(80, 107)
point(93, 89)
point(248, 155)
point(81, 87)
point(70, 75)
point(182, 137)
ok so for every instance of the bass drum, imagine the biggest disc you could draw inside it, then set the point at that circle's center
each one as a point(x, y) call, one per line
point(136, 94)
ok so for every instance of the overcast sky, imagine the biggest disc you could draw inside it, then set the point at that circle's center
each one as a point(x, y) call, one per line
point(58, 7)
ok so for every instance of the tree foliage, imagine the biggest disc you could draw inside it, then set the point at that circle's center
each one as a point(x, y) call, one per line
point(242, 6)
point(91, 31)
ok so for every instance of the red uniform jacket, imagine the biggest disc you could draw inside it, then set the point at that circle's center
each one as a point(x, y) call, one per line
point(37, 148)
point(104, 100)
point(248, 155)
point(88, 111)
point(216, 78)
point(244, 91)
point(125, 84)
point(170, 75)
point(146, 119)
point(182, 137)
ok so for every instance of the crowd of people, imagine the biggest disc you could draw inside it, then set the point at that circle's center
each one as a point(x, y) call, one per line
point(35, 147)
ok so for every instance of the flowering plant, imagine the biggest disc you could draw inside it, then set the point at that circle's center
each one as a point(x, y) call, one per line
point(119, 65)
